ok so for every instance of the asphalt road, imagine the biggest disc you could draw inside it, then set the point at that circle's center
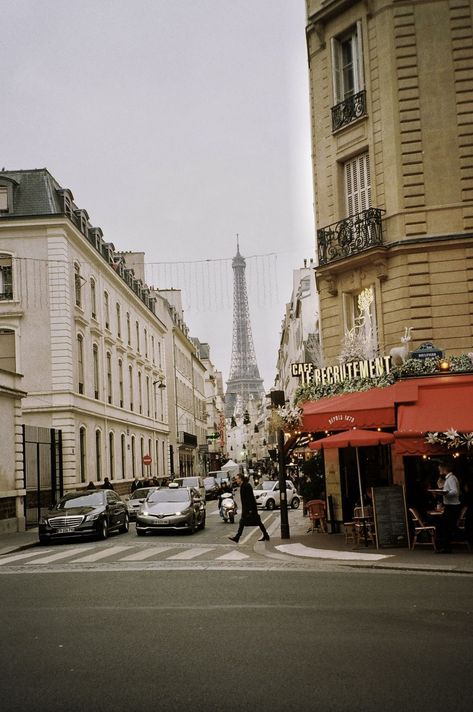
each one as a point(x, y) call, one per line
point(235, 640)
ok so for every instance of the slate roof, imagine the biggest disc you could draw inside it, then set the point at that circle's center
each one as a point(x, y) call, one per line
point(35, 193)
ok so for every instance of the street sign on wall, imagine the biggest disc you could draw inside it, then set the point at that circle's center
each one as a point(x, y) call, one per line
point(147, 460)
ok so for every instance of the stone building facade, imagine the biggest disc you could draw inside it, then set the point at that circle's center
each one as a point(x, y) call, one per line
point(392, 128)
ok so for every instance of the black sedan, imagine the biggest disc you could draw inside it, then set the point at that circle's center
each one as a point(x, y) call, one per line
point(84, 514)
point(171, 508)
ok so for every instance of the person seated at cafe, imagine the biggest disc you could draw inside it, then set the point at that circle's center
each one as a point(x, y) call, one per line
point(367, 499)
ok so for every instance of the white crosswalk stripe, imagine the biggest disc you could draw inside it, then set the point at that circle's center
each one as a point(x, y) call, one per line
point(146, 553)
point(189, 554)
point(17, 557)
point(233, 556)
point(102, 554)
point(60, 555)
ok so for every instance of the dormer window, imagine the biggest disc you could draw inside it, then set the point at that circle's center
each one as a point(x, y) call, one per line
point(3, 199)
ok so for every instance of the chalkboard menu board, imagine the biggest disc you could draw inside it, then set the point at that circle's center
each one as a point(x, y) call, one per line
point(390, 516)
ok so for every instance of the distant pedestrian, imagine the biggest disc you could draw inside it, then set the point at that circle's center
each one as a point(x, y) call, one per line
point(107, 484)
point(136, 484)
point(90, 485)
point(249, 511)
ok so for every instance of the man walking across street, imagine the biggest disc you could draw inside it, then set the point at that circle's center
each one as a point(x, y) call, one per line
point(249, 511)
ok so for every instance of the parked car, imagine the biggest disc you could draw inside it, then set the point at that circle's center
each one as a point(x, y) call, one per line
point(192, 481)
point(84, 514)
point(172, 507)
point(212, 488)
point(135, 501)
point(268, 495)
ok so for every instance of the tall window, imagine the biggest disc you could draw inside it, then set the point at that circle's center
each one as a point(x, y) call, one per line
point(137, 327)
point(357, 184)
point(77, 285)
point(128, 328)
point(98, 454)
point(147, 397)
point(130, 385)
point(111, 455)
point(133, 456)
point(123, 455)
point(80, 362)
point(82, 455)
point(93, 298)
point(140, 392)
point(159, 355)
point(142, 453)
point(106, 303)
point(109, 376)
point(347, 64)
point(95, 360)
point(120, 382)
point(119, 321)
point(146, 342)
point(153, 355)
point(6, 277)
point(157, 457)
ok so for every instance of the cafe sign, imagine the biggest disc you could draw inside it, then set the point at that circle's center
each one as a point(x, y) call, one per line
point(366, 368)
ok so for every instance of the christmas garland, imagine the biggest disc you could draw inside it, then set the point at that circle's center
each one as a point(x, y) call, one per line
point(451, 439)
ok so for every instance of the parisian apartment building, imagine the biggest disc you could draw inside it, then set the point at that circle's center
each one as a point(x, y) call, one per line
point(96, 369)
point(391, 86)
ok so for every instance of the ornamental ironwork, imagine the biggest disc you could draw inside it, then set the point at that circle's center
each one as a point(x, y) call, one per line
point(349, 110)
point(350, 236)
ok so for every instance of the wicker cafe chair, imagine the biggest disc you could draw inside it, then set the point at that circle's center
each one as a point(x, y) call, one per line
point(460, 536)
point(422, 530)
point(317, 515)
point(364, 524)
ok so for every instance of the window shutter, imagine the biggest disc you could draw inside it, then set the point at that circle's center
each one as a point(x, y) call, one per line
point(357, 184)
point(336, 80)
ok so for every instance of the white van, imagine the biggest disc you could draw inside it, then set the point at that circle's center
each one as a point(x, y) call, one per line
point(192, 481)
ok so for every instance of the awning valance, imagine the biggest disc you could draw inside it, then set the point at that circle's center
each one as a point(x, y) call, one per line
point(367, 409)
point(441, 403)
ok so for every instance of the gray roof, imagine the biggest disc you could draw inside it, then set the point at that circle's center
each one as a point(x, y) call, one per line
point(35, 192)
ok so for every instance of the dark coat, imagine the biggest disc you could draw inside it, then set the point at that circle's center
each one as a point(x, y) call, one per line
point(249, 510)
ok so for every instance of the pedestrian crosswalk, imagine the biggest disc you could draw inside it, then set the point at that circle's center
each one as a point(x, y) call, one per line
point(127, 553)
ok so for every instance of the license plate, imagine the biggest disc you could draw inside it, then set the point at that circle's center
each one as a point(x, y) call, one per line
point(165, 522)
point(65, 530)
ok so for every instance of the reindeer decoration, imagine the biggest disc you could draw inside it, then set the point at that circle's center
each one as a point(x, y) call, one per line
point(399, 353)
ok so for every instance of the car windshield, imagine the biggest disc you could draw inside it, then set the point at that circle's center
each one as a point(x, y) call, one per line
point(92, 499)
point(266, 485)
point(171, 495)
point(141, 493)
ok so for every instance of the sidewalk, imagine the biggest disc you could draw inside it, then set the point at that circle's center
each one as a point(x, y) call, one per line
point(317, 546)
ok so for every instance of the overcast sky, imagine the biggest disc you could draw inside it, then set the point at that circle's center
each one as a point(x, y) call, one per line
point(176, 124)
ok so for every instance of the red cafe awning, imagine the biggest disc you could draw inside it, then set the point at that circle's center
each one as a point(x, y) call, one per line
point(440, 403)
point(366, 409)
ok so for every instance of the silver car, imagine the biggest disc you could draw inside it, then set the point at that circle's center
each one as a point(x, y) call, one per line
point(171, 508)
point(136, 500)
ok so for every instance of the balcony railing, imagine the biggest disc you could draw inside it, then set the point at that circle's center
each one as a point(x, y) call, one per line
point(350, 236)
point(349, 110)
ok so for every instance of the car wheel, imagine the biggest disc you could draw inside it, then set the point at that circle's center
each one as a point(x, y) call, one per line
point(270, 504)
point(140, 532)
point(126, 524)
point(103, 529)
point(295, 503)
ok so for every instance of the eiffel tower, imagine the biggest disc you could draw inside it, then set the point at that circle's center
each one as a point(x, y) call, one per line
point(244, 377)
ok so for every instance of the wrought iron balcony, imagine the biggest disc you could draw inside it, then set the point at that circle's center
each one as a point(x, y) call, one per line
point(349, 110)
point(350, 236)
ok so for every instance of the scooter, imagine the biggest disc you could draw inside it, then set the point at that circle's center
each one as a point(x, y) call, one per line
point(228, 508)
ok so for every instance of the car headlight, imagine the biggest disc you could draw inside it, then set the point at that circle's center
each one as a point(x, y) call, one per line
point(42, 521)
point(92, 517)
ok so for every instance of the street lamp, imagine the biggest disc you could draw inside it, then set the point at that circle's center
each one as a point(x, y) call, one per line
point(278, 399)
